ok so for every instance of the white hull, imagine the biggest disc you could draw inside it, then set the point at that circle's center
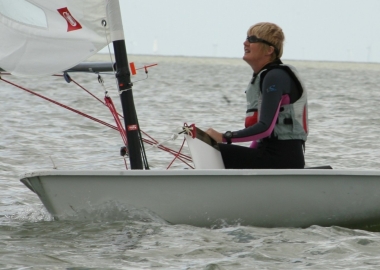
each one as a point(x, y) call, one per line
point(265, 198)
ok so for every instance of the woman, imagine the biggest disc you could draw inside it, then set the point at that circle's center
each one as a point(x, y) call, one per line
point(276, 118)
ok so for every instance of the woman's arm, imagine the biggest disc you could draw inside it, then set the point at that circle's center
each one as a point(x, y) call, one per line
point(276, 83)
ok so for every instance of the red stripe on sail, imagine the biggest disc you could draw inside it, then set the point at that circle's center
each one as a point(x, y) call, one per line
point(72, 24)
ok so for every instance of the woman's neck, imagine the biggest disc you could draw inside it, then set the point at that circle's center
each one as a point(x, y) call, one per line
point(258, 68)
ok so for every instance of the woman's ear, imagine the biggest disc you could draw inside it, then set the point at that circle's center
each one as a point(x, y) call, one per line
point(270, 50)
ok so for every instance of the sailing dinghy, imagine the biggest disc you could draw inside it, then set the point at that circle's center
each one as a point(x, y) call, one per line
point(49, 37)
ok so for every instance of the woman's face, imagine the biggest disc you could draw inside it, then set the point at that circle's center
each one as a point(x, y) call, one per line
point(253, 53)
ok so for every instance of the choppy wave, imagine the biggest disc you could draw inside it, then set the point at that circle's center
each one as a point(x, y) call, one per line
point(344, 128)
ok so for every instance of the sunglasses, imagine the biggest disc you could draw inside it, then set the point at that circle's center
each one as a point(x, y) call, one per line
point(254, 39)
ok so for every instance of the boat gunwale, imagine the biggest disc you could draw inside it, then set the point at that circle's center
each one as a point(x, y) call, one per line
point(208, 172)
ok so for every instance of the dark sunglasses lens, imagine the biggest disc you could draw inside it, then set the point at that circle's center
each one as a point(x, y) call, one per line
point(252, 39)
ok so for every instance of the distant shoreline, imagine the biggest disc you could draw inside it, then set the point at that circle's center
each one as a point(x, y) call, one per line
point(145, 59)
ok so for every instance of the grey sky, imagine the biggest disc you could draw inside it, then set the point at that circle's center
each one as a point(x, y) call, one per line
point(333, 30)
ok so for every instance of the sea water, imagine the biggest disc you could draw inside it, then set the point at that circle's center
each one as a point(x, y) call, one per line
point(344, 124)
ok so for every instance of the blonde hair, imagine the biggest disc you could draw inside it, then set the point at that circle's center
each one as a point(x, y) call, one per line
point(271, 33)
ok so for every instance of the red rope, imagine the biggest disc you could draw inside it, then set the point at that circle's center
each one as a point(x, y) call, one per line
point(152, 142)
point(176, 156)
point(184, 158)
point(112, 108)
point(60, 104)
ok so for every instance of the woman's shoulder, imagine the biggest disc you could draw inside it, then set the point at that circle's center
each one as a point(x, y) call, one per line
point(277, 73)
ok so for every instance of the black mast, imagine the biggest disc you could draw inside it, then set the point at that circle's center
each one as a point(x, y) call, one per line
point(123, 75)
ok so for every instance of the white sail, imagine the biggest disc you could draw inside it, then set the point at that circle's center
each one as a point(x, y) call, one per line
point(43, 37)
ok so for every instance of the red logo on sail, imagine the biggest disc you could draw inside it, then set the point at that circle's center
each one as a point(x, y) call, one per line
point(72, 24)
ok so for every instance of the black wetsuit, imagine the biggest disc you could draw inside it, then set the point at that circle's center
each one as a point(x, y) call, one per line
point(271, 151)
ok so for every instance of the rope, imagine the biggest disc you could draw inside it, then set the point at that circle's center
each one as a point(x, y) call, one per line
point(120, 128)
point(61, 105)
point(176, 156)
point(182, 157)
point(187, 129)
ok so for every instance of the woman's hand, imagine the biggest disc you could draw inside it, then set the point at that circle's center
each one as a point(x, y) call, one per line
point(218, 137)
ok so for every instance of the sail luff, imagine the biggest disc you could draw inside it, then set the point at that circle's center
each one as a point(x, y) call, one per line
point(123, 76)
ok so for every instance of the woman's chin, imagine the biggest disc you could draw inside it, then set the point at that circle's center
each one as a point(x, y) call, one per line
point(246, 58)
